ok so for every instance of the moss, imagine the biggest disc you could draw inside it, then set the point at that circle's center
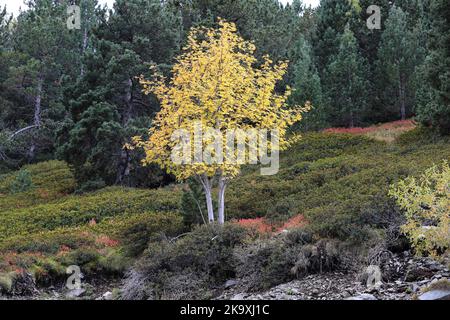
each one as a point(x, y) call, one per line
point(7, 282)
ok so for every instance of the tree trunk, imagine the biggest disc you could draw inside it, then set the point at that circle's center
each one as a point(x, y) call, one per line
point(83, 48)
point(128, 101)
point(402, 98)
point(37, 101)
point(125, 158)
point(124, 166)
point(221, 209)
point(207, 187)
point(37, 114)
point(352, 120)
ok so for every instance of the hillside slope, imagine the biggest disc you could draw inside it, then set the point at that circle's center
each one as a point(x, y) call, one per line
point(337, 181)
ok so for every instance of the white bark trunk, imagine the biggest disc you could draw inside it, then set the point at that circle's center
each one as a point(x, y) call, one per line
point(37, 114)
point(37, 101)
point(222, 187)
point(207, 187)
point(83, 49)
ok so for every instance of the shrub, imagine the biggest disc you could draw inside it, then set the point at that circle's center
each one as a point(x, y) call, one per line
point(96, 247)
point(79, 210)
point(426, 202)
point(197, 262)
point(89, 186)
point(193, 206)
point(267, 263)
point(50, 181)
point(137, 231)
point(22, 182)
point(334, 180)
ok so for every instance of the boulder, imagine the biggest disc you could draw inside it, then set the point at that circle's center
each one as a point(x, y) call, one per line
point(76, 293)
point(239, 296)
point(435, 295)
point(230, 283)
point(107, 296)
point(416, 272)
point(364, 296)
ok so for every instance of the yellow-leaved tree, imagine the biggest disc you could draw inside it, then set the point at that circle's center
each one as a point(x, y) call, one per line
point(217, 85)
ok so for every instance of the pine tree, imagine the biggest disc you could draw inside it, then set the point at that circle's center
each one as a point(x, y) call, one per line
point(333, 17)
point(346, 83)
point(42, 53)
point(398, 56)
point(106, 103)
point(437, 70)
point(307, 86)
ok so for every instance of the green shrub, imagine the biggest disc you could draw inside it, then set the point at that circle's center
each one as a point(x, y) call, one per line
point(196, 262)
point(6, 282)
point(334, 180)
point(50, 181)
point(266, 263)
point(136, 232)
point(80, 210)
point(22, 182)
point(426, 202)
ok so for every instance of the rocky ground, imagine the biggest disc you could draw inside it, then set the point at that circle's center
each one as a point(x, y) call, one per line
point(404, 277)
point(100, 290)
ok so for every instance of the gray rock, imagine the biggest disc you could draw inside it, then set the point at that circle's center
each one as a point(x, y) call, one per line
point(76, 293)
point(414, 287)
point(435, 295)
point(230, 283)
point(239, 296)
point(107, 296)
point(364, 296)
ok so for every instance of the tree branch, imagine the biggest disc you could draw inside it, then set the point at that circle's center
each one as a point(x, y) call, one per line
point(22, 130)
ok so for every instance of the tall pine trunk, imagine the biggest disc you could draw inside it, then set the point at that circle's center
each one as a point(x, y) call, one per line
point(83, 49)
point(123, 170)
point(402, 97)
point(37, 114)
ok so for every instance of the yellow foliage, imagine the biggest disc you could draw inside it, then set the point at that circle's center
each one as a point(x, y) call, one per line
point(426, 202)
point(215, 82)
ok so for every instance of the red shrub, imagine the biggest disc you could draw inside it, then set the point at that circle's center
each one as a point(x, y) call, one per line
point(106, 241)
point(402, 125)
point(262, 226)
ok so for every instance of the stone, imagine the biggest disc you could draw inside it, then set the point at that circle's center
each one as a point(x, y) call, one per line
point(364, 296)
point(107, 296)
point(414, 287)
point(239, 296)
point(230, 283)
point(416, 273)
point(76, 293)
point(435, 295)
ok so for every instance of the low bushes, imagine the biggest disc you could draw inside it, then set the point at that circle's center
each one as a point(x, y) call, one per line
point(332, 180)
point(34, 184)
point(426, 202)
point(189, 268)
point(80, 210)
point(196, 266)
point(264, 264)
point(98, 248)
